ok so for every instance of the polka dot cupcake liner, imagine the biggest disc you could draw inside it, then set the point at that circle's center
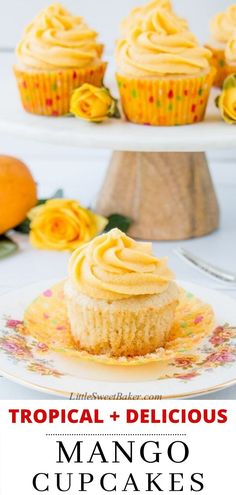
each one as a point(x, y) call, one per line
point(219, 64)
point(165, 101)
point(229, 70)
point(46, 321)
point(49, 93)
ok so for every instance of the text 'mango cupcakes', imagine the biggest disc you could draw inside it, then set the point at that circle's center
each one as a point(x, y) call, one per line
point(164, 75)
point(120, 298)
point(222, 28)
point(58, 53)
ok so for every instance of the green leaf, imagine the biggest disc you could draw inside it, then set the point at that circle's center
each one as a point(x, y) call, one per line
point(57, 195)
point(230, 82)
point(114, 110)
point(24, 227)
point(217, 101)
point(7, 246)
point(118, 221)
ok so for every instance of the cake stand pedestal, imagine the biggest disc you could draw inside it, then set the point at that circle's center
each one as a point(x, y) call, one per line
point(169, 196)
point(158, 176)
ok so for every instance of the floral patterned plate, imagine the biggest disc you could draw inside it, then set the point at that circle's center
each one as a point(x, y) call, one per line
point(210, 367)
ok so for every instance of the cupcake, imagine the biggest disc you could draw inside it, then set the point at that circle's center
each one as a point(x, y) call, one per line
point(164, 75)
point(230, 56)
point(58, 53)
point(120, 298)
point(136, 14)
point(222, 28)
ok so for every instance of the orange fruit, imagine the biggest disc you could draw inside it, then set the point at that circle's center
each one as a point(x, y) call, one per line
point(18, 193)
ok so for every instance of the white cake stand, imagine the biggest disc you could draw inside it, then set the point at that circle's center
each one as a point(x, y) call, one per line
point(158, 176)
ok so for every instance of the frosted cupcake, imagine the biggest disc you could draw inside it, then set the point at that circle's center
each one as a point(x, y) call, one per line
point(164, 75)
point(58, 52)
point(222, 28)
point(121, 299)
point(136, 14)
point(230, 56)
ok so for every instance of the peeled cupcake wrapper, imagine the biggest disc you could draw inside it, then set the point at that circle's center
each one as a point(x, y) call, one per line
point(124, 331)
point(218, 62)
point(46, 321)
point(49, 93)
point(165, 101)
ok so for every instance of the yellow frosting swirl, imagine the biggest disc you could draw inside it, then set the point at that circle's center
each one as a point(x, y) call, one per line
point(136, 14)
point(114, 266)
point(224, 24)
point(230, 51)
point(161, 45)
point(56, 39)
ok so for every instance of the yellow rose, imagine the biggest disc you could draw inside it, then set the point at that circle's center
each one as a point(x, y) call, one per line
point(63, 225)
point(226, 102)
point(93, 104)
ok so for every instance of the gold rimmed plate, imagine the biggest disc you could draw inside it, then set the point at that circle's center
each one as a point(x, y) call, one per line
point(29, 359)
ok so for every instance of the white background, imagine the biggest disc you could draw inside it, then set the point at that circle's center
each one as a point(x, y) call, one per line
point(103, 15)
point(27, 451)
point(81, 172)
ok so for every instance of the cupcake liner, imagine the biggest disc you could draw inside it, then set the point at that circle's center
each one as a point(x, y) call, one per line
point(218, 62)
point(101, 48)
point(46, 321)
point(229, 70)
point(165, 101)
point(119, 332)
point(49, 93)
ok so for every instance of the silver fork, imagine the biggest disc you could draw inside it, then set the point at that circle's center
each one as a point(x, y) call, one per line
point(202, 265)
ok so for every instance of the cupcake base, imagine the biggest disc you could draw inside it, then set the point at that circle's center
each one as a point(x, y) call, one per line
point(49, 93)
point(46, 321)
point(128, 327)
point(219, 64)
point(167, 101)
